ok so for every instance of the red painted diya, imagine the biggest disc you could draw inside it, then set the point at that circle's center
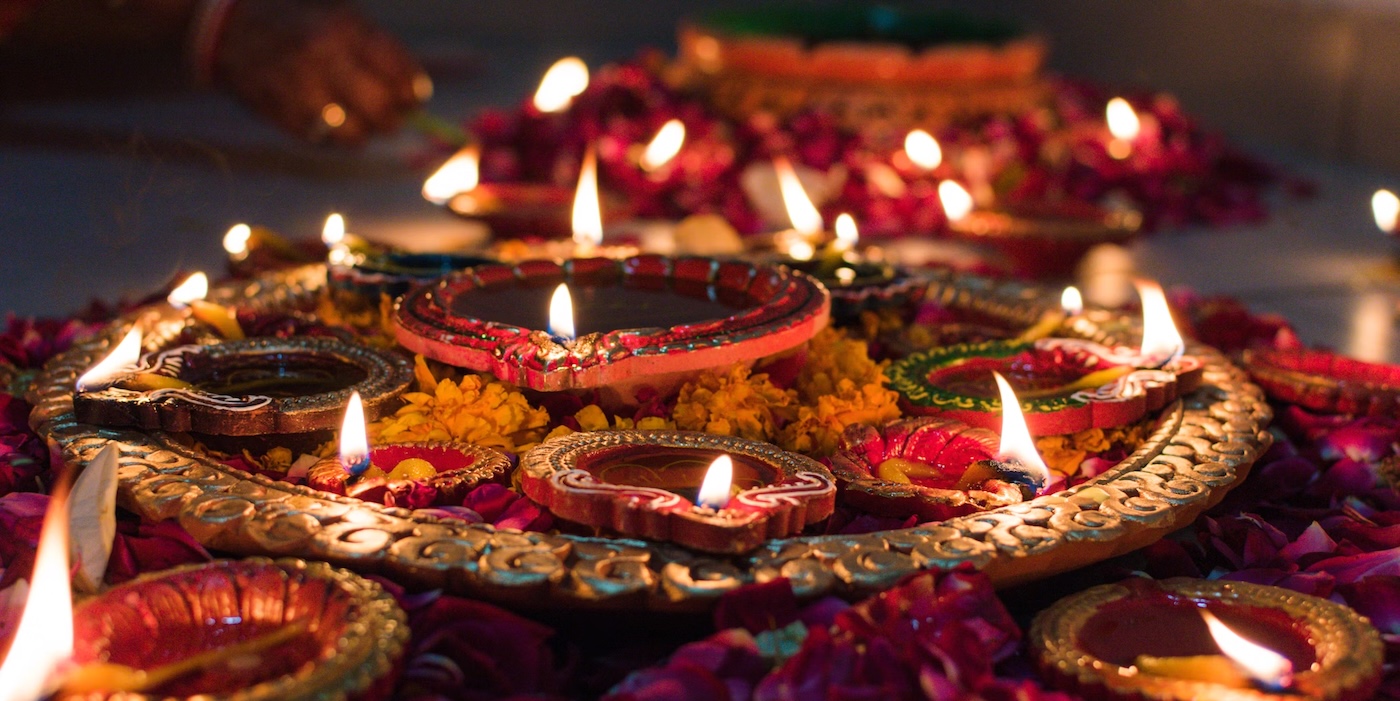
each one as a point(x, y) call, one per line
point(933, 468)
point(450, 468)
point(525, 209)
point(1065, 385)
point(645, 484)
point(644, 320)
point(287, 629)
point(1046, 239)
point(253, 387)
point(1324, 381)
point(1142, 639)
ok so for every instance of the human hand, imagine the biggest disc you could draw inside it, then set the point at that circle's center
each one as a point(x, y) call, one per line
point(317, 68)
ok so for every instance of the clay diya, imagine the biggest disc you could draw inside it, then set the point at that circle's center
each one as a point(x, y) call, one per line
point(250, 629)
point(647, 319)
point(241, 388)
point(1065, 385)
point(1040, 239)
point(648, 484)
point(1324, 381)
point(392, 273)
point(1198, 640)
point(933, 468)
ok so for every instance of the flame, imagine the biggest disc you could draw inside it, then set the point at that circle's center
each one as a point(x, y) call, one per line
point(564, 81)
point(354, 444)
point(460, 173)
point(43, 640)
point(1016, 441)
point(588, 216)
point(1386, 208)
point(561, 313)
point(333, 233)
point(847, 235)
point(1123, 122)
point(957, 203)
point(195, 287)
point(1071, 301)
point(664, 146)
point(120, 361)
point(801, 250)
point(1160, 339)
point(922, 149)
point(714, 490)
point(1261, 663)
point(236, 240)
point(801, 212)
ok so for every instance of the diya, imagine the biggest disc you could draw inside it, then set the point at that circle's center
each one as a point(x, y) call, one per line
point(1324, 381)
point(1040, 239)
point(449, 468)
point(239, 388)
point(644, 320)
point(648, 484)
point(1199, 640)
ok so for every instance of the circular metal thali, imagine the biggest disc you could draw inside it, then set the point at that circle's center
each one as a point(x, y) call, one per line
point(1198, 448)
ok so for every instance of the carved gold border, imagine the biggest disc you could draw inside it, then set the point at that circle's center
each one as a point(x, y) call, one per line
point(1199, 447)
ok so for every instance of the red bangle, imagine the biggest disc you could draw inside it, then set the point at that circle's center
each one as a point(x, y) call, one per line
point(205, 31)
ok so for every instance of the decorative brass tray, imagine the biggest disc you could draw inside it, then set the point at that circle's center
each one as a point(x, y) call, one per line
point(1198, 449)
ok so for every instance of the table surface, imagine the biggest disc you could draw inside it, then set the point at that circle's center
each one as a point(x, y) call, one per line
point(108, 198)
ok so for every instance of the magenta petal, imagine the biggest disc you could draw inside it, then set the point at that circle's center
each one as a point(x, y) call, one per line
point(1352, 568)
point(1377, 598)
point(1313, 540)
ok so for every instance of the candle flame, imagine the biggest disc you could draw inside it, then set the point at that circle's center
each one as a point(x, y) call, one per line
point(847, 235)
point(236, 240)
point(121, 361)
point(460, 173)
point(922, 149)
point(564, 81)
point(801, 212)
point(43, 640)
point(1071, 301)
point(1260, 663)
point(195, 287)
point(561, 313)
point(957, 202)
point(801, 250)
point(714, 490)
point(588, 215)
point(333, 233)
point(1123, 122)
point(1160, 339)
point(354, 443)
point(664, 146)
point(1385, 206)
point(1016, 441)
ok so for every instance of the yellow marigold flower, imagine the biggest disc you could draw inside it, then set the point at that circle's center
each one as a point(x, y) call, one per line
point(655, 423)
point(832, 357)
point(736, 403)
point(591, 418)
point(472, 409)
point(818, 428)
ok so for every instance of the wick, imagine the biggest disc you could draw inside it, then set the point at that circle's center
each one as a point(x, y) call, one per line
point(357, 467)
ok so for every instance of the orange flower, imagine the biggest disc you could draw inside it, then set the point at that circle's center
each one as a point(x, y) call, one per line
point(736, 403)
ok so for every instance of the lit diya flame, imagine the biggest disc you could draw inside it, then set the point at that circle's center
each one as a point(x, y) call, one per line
point(564, 81)
point(354, 443)
point(195, 287)
point(588, 214)
point(561, 314)
point(43, 640)
point(1265, 666)
point(664, 146)
point(801, 250)
point(922, 149)
point(236, 241)
point(333, 232)
point(1016, 441)
point(1161, 342)
point(121, 361)
point(714, 489)
point(460, 173)
point(801, 212)
point(1071, 301)
point(847, 235)
point(1124, 125)
point(956, 200)
point(1385, 206)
